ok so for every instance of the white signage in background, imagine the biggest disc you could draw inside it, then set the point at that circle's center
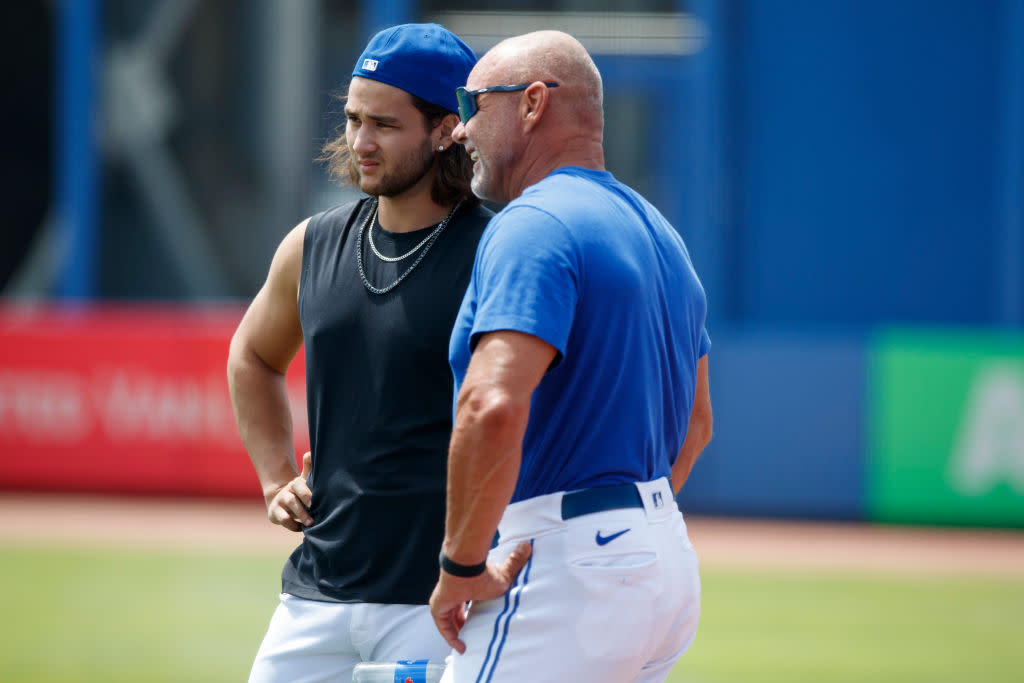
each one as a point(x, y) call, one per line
point(43, 406)
point(132, 405)
point(989, 446)
point(135, 405)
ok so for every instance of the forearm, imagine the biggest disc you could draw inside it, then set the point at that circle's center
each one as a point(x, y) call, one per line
point(483, 466)
point(263, 413)
point(698, 429)
point(697, 438)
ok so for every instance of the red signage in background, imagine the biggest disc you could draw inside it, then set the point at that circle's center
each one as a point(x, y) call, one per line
point(125, 400)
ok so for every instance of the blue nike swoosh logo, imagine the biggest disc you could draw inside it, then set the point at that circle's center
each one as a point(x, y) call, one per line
point(605, 540)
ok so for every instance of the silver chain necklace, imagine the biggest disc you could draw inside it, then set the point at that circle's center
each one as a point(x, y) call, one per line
point(426, 243)
point(393, 259)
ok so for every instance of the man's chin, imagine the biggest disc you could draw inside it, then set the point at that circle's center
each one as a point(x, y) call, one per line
point(371, 188)
point(480, 189)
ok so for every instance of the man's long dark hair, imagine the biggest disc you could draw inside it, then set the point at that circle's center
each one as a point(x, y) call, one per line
point(454, 168)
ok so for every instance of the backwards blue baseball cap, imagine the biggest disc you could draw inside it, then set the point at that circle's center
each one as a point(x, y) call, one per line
point(426, 60)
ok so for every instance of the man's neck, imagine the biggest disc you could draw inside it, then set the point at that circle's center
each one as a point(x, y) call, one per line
point(410, 211)
point(582, 151)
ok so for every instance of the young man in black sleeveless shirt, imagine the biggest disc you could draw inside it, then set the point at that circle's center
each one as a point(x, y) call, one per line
point(371, 289)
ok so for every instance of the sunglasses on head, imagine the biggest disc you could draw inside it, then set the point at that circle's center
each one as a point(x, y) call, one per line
point(467, 98)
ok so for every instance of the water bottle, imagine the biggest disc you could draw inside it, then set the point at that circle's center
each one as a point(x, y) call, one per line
point(405, 671)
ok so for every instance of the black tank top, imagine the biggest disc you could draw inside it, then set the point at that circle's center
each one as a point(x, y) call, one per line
point(379, 396)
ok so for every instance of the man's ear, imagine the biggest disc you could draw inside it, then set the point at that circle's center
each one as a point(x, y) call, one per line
point(442, 135)
point(533, 104)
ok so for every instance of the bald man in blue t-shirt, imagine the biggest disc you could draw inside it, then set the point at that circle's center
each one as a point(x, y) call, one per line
point(582, 401)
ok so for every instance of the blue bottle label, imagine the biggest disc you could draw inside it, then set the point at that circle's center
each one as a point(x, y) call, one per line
point(410, 671)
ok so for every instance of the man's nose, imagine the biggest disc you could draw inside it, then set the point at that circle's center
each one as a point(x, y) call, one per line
point(459, 134)
point(363, 141)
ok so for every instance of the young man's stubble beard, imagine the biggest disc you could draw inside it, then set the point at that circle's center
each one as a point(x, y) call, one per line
point(402, 177)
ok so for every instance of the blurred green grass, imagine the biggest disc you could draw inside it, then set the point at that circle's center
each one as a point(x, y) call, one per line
point(804, 627)
point(121, 615)
point(78, 615)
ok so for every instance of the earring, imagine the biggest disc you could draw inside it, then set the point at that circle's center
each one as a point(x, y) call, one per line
point(440, 148)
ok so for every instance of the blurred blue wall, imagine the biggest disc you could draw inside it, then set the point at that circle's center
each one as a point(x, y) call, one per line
point(865, 170)
point(789, 428)
point(866, 162)
point(872, 162)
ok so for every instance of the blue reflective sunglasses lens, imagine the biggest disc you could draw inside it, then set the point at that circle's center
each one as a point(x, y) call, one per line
point(467, 104)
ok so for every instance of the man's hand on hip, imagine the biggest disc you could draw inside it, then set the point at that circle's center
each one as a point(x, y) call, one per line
point(448, 602)
point(289, 506)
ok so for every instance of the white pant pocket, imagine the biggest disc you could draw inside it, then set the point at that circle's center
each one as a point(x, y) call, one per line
point(617, 561)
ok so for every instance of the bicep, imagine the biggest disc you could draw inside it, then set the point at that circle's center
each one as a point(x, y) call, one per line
point(271, 329)
point(527, 278)
point(512, 362)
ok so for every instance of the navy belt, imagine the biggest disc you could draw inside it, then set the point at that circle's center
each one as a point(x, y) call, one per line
point(599, 499)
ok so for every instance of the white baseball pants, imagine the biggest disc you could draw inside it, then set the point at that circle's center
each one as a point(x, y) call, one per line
point(309, 641)
point(607, 597)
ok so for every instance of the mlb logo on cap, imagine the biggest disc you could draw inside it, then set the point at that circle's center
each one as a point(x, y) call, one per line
point(370, 64)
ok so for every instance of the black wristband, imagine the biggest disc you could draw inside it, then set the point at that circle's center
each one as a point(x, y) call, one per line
point(463, 571)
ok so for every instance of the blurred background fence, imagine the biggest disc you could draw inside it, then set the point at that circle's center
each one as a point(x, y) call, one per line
point(848, 176)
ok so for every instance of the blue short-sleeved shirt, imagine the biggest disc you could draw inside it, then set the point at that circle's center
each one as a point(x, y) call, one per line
point(589, 266)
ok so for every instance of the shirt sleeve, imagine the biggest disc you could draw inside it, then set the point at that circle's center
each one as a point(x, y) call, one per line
point(705, 343)
point(528, 276)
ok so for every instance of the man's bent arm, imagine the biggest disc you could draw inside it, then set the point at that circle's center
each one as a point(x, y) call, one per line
point(262, 348)
point(486, 448)
point(483, 465)
point(698, 432)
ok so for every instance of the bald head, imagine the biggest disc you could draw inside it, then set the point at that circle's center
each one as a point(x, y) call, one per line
point(516, 137)
point(551, 56)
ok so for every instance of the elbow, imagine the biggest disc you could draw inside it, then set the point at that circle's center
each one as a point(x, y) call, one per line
point(708, 428)
point(244, 364)
point(491, 410)
point(702, 427)
point(706, 436)
point(236, 363)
